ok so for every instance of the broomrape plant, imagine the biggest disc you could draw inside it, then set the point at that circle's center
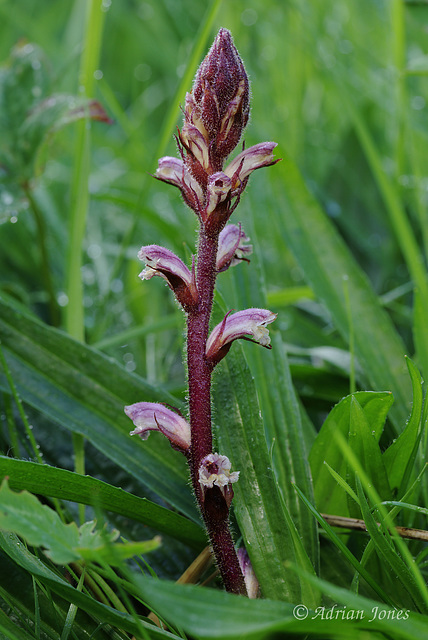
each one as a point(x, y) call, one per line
point(215, 115)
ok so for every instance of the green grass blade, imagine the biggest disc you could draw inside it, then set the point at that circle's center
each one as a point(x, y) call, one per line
point(66, 485)
point(268, 532)
point(387, 552)
point(85, 392)
point(400, 456)
point(325, 260)
point(74, 317)
point(341, 546)
point(12, 546)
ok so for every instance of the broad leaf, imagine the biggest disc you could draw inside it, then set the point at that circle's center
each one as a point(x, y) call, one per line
point(63, 543)
point(67, 485)
point(11, 545)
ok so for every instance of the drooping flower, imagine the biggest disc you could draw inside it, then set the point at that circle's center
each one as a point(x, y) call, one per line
point(250, 579)
point(249, 324)
point(215, 471)
point(153, 416)
point(231, 247)
point(260, 155)
point(175, 172)
point(164, 263)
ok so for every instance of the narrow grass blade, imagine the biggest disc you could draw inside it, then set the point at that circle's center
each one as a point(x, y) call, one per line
point(325, 260)
point(268, 532)
point(67, 485)
point(85, 392)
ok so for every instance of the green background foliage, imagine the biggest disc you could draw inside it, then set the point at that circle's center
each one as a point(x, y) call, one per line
point(331, 420)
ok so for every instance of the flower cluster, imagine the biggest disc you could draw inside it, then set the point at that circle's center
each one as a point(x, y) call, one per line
point(215, 115)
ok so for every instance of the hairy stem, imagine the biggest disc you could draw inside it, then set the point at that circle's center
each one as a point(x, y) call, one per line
point(213, 504)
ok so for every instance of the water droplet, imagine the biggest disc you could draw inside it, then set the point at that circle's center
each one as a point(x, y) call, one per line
point(62, 299)
point(418, 103)
point(94, 251)
point(7, 198)
point(249, 17)
point(116, 285)
point(98, 74)
point(142, 72)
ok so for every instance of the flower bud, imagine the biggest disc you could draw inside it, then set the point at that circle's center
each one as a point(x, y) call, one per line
point(217, 110)
point(249, 324)
point(164, 263)
point(231, 247)
point(152, 416)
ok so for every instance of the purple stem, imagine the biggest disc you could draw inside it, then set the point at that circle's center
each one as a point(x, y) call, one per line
point(213, 506)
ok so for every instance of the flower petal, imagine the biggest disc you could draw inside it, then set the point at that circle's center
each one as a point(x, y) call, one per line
point(164, 263)
point(250, 579)
point(152, 416)
point(174, 171)
point(260, 155)
point(218, 188)
point(248, 324)
point(231, 247)
point(215, 471)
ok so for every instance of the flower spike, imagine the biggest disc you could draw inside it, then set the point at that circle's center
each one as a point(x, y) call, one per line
point(218, 106)
point(164, 263)
point(249, 324)
point(153, 416)
point(231, 247)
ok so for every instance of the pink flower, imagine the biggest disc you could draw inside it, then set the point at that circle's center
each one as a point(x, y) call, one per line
point(152, 416)
point(231, 247)
point(249, 324)
point(164, 263)
point(215, 471)
point(260, 155)
point(175, 172)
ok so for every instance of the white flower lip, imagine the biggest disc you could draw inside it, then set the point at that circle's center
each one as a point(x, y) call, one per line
point(231, 247)
point(153, 416)
point(164, 263)
point(215, 471)
point(250, 323)
point(161, 261)
point(175, 172)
